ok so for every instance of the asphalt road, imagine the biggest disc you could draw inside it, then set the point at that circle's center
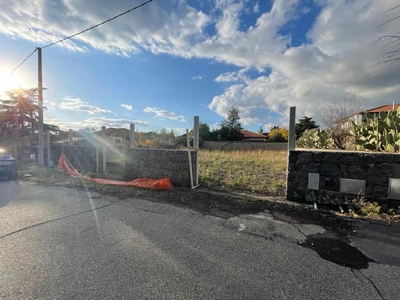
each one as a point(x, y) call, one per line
point(61, 243)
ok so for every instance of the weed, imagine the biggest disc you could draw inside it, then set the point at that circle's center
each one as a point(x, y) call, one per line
point(360, 207)
point(256, 171)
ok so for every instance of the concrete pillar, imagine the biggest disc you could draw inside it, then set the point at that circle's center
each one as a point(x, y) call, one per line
point(196, 143)
point(48, 149)
point(132, 136)
point(104, 142)
point(292, 124)
point(70, 138)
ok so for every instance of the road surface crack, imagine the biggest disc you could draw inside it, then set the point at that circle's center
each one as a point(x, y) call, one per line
point(299, 230)
point(258, 235)
point(56, 219)
point(370, 280)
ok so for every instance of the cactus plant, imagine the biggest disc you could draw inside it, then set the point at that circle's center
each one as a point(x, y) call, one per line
point(315, 139)
point(380, 132)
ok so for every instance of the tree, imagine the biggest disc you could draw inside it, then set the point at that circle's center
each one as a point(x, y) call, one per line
point(230, 128)
point(260, 130)
point(204, 132)
point(392, 40)
point(19, 116)
point(277, 134)
point(334, 114)
point(304, 124)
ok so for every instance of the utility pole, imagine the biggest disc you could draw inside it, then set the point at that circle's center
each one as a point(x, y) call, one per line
point(40, 105)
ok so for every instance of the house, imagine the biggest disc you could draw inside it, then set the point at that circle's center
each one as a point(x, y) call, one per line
point(250, 136)
point(358, 117)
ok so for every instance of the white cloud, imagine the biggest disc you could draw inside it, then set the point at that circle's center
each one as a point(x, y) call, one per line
point(197, 77)
point(79, 105)
point(337, 58)
point(164, 114)
point(127, 106)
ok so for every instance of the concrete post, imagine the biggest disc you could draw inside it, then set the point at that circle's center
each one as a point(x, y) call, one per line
point(40, 109)
point(48, 149)
point(132, 136)
point(104, 142)
point(292, 124)
point(196, 143)
point(70, 139)
point(97, 160)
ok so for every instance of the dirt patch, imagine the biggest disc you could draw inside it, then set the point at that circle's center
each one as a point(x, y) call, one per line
point(206, 201)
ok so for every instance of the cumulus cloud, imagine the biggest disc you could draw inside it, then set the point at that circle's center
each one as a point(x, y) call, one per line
point(335, 58)
point(164, 114)
point(127, 106)
point(197, 77)
point(79, 105)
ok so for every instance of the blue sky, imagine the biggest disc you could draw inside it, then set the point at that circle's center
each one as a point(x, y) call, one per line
point(168, 61)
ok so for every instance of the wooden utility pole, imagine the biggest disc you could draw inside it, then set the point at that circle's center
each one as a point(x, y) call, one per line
point(40, 106)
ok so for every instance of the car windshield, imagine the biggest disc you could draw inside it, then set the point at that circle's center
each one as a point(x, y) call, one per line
point(5, 156)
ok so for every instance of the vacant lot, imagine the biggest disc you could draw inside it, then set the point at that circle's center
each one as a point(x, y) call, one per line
point(254, 171)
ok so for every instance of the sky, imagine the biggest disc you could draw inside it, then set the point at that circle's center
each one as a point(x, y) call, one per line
point(168, 61)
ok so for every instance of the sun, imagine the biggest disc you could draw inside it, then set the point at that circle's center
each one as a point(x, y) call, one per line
point(8, 82)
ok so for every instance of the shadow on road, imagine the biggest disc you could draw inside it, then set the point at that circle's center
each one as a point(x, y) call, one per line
point(9, 189)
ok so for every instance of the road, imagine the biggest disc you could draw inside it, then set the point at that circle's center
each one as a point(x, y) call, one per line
point(62, 243)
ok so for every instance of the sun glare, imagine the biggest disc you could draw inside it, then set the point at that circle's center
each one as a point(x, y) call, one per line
point(8, 82)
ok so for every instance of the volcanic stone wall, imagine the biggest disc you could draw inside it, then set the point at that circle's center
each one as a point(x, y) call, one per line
point(375, 168)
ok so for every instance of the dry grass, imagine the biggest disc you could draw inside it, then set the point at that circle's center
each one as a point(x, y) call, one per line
point(256, 171)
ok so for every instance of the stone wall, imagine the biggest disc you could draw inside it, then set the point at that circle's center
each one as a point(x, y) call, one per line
point(245, 145)
point(374, 168)
point(160, 163)
point(81, 157)
point(140, 162)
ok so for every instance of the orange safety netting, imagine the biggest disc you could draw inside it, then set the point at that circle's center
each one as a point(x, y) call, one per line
point(154, 184)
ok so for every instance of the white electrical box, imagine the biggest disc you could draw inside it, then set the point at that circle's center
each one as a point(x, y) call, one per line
point(352, 186)
point(313, 181)
point(394, 188)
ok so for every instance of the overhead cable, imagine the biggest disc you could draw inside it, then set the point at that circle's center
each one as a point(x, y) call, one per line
point(23, 62)
point(90, 28)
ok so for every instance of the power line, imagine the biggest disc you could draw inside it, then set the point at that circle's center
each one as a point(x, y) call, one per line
point(23, 62)
point(90, 28)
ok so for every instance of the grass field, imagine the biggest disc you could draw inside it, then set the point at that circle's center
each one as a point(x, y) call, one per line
point(256, 171)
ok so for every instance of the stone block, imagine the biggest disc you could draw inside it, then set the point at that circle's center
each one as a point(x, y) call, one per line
point(356, 172)
point(388, 158)
point(379, 169)
point(292, 158)
point(395, 170)
point(378, 195)
point(304, 158)
point(370, 159)
point(369, 188)
point(309, 168)
point(310, 196)
point(292, 177)
point(350, 160)
point(292, 167)
point(332, 184)
point(378, 180)
point(332, 158)
point(329, 169)
point(318, 156)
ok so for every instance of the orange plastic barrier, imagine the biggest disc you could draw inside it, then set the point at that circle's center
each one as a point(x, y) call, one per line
point(153, 184)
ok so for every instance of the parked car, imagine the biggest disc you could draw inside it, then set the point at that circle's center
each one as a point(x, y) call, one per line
point(8, 165)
